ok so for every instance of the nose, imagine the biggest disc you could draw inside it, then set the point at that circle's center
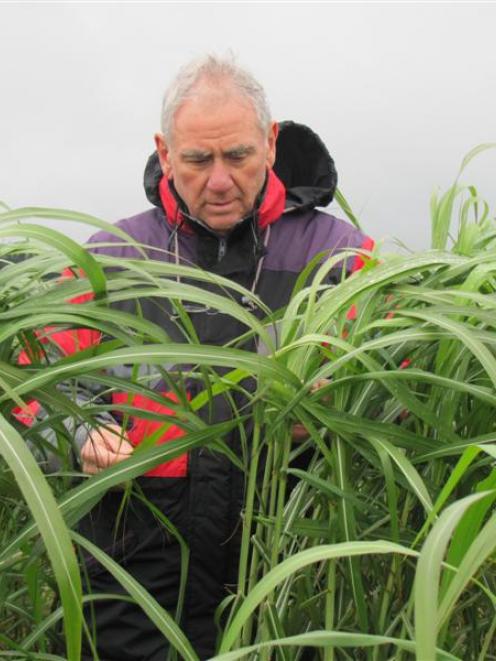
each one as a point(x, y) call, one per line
point(219, 180)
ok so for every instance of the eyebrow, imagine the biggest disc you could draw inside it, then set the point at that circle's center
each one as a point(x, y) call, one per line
point(195, 154)
point(198, 154)
point(240, 150)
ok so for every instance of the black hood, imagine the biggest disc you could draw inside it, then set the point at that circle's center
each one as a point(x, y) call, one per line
point(303, 164)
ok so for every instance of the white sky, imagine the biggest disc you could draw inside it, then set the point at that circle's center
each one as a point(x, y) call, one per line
point(399, 92)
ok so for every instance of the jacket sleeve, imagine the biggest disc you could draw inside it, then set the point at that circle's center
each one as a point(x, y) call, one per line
point(54, 344)
point(68, 342)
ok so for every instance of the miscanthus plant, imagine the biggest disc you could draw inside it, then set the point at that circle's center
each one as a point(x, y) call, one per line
point(370, 536)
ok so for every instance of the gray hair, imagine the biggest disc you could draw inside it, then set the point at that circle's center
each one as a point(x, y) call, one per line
point(213, 68)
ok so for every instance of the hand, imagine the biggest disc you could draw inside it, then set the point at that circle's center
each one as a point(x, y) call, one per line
point(105, 446)
point(298, 431)
point(321, 383)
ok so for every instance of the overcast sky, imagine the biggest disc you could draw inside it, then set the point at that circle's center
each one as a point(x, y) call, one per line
point(399, 93)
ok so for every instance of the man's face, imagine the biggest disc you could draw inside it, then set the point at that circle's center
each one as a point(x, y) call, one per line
point(217, 156)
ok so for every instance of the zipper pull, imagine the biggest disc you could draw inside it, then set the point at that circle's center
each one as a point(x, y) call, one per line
point(222, 249)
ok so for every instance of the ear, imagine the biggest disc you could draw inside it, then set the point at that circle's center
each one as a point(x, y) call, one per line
point(271, 144)
point(163, 154)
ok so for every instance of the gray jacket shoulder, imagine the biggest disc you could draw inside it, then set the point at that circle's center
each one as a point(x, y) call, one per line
point(149, 229)
point(297, 237)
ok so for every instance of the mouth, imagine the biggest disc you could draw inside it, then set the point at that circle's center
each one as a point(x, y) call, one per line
point(221, 206)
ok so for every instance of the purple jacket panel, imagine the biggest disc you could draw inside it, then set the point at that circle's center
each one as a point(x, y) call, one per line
point(294, 240)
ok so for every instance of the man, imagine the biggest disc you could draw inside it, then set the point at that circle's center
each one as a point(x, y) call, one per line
point(225, 202)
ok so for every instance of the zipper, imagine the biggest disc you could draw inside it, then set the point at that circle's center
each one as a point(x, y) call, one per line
point(222, 248)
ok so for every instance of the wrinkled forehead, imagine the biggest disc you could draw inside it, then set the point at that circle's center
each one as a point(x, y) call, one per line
point(211, 99)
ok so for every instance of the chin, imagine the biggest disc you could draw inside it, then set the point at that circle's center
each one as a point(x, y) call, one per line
point(223, 224)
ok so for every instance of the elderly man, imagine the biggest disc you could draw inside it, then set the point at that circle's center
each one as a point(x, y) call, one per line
point(224, 201)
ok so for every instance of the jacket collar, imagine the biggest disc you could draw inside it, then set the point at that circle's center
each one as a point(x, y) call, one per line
point(268, 211)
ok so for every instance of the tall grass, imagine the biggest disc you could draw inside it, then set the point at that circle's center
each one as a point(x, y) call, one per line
point(373, 537)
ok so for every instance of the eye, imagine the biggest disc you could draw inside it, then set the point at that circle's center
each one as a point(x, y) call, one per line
point(197, 159)
point(239, 154)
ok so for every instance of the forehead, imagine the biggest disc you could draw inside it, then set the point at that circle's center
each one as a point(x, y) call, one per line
point(215, 119)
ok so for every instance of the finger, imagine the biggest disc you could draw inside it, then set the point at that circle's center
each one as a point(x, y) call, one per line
point(320, 383)
point(113, 438)
point(299, 432)
point(94, 453)
point(95, 458)
point(90, 469)
point(118, 445)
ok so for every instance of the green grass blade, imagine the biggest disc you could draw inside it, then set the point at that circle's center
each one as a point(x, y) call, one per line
point(75, 252)
point(333, 639)
point(408, 470)
point(294, 564)
point(158, 615)
point(53, 530)
point(159, 354)
point(475, 152)
point(480, 549)
point(343, 203)
point(428, 573)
